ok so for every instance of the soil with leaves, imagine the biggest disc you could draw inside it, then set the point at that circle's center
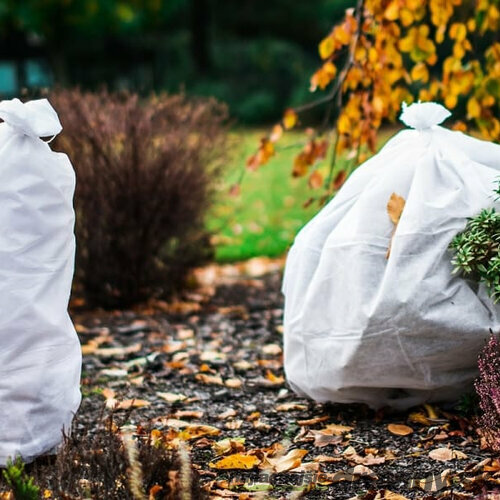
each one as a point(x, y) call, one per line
point(205, 375)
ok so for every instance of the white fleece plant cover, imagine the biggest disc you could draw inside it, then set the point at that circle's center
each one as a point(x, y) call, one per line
point(40, 355)
point(404, 330)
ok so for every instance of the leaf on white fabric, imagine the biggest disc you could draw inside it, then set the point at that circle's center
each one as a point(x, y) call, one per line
point(395, 207)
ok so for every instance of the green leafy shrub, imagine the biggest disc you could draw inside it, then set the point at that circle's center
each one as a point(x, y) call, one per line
point(22, 486)
point(146, 172)
point(477, 251)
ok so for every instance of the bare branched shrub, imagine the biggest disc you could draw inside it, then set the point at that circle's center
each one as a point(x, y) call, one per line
point(97, 464)
point(146, 171)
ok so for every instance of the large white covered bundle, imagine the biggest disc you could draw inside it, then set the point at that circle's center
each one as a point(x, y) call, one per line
point(40, 355)
point(402, 330)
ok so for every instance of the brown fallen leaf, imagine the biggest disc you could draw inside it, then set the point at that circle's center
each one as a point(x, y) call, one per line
point(395, 208)
point(363, 471)
point(233, 383)
point(399, 429)
point(272, 349)
point(188, 414)
point(327, 459)
point(209, 379)
point(351, 455)
point(233, 424)
point(236, 461)
point(131, 403)
point(171, 397)
point(322, 439)
point(445, 454)
point(227, 414)
point(285, 462)
point(291, 407)
point(313, 421)
point(337, 429)
point(388, 495)
point(229, 445)
point(434, 482)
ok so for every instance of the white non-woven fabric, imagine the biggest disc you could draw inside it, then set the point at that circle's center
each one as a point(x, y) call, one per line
point(404, 330)
point(40, 355)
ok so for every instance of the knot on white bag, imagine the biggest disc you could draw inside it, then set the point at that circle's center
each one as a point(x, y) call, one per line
point(423, 115)
point(35, 118)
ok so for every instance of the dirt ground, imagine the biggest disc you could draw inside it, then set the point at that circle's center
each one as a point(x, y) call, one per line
point(207, 369)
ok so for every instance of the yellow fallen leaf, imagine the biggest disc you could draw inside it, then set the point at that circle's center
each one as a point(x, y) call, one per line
point(274, 379)
point(236, 461)
point(419, 418)
point(195, 431)
point(395, 208)
point(399, 429)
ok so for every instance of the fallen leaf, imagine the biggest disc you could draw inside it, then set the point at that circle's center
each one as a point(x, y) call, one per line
point(272, 349)
point(322, 439)
point(327, 459)
point(233, 424)
point(131, 403)
point(209, 379)
point(395, 208)
point(236, 461)
point(287, 462)
point(194, 431)
point(229, 445)
point(337, 429)
point(388, 495)
point(399, 429)
point(363, 471)
point(227, 414)
point(313, 421)
point(274, 379)
point(171, 397)
point(419, 418)
point(291, 407)
point(445, 454)
point(433, 482)
point(233, 383)
point(188, 414)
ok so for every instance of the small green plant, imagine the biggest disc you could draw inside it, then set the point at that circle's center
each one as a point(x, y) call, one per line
point(23, 486)
point(477, 250)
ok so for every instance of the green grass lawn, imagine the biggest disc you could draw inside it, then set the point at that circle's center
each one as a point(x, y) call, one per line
point(264, 218)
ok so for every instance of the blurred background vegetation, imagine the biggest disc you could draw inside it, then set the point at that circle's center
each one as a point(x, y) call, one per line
point(255, 55)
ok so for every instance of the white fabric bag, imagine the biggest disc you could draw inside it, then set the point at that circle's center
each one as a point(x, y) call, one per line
point(40, 356)
point(404, 330)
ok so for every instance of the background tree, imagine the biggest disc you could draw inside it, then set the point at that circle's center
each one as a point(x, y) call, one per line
point(385, 52)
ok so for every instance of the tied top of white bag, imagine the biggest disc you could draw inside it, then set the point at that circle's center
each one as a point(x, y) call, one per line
point(423, 115)
point(34, 119)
